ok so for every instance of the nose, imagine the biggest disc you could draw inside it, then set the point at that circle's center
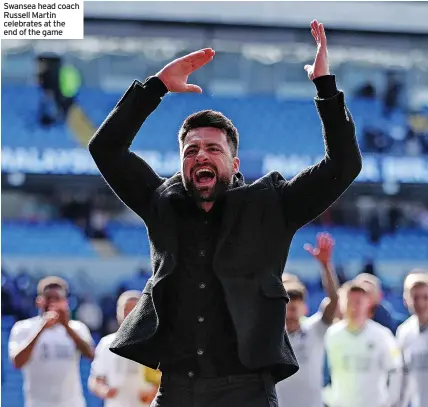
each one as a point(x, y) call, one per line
point(201, 156)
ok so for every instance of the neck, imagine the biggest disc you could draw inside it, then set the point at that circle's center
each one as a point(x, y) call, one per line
point(423, 320)
point(356, 324)
point(206, 206)
point(292, 327)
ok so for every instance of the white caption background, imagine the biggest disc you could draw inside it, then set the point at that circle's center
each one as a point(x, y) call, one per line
point(43, 19)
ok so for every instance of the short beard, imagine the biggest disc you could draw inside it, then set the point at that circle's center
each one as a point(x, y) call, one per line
point(221, 186)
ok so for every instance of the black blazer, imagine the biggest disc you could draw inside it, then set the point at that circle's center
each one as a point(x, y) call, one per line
point(259, 222)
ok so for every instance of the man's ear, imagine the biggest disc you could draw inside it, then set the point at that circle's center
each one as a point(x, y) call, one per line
point(236, 163)
point(40, 302)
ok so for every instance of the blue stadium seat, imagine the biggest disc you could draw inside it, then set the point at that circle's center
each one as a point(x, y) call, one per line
point(46, 238)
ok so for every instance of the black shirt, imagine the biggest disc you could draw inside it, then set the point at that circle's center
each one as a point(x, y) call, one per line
point(198, 330)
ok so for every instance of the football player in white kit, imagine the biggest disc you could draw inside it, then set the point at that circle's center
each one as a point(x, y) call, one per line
point(304, 389)
point(412, 338)
point(48, 349)
point(118, 381)
point(364, 359)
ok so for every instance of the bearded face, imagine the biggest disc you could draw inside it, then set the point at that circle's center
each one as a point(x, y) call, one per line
point(207, 164)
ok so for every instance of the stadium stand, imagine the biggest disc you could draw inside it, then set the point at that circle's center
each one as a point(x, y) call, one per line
point(280, 119)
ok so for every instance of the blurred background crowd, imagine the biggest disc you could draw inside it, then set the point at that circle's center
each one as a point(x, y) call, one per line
point(59, 218)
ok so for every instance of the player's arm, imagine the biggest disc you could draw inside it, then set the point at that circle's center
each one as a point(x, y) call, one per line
point(22, 343)
point(84, 345)
point(97, 382)
point(128, 175)
point(323, 254)
point(99, 387)
point(316, 188)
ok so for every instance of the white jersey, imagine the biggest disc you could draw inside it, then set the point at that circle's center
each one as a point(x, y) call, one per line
point(52, 374)
point(120, 373)
point(414, 343)
point(304, 388)
point(360, 363)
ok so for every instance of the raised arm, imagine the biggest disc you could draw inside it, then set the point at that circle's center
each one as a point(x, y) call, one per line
point(323, 254)
point(316, 188)
point(128, 175)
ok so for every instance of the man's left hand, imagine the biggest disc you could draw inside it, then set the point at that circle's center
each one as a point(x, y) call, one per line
point(320, 66)
point(63, 313)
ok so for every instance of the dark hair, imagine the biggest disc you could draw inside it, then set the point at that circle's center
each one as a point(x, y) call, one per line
point(211, 118)
point(51, 282)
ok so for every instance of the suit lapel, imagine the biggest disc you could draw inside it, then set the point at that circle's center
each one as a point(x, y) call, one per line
point(171, 192)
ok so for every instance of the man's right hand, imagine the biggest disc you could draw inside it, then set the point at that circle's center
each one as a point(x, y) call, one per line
point(50, 319)
point(175, 74)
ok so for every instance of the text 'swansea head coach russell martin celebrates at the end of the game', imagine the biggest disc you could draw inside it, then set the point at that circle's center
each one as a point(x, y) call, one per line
point(211, 317)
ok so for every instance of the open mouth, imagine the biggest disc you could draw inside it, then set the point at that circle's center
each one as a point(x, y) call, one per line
point(204, 176)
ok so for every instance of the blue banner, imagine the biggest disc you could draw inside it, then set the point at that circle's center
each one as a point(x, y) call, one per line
point(79, 162)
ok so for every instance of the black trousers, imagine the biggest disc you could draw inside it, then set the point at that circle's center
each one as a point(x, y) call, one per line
point(249, 390)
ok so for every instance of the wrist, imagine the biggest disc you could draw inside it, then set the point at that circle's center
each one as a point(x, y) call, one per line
point(326, 265)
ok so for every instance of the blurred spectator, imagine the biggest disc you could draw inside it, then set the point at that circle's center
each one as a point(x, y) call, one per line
point(394, 219)
point(98, 220)
point(369, 267)
point(375, 228)
point(91, 314)
point(136, 282)
point(376, 139)
point(366, 91)
point(392, 91)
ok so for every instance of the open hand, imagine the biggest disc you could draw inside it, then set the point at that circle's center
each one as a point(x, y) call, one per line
point(324, 249)
point(320, 66)
point(175, 74)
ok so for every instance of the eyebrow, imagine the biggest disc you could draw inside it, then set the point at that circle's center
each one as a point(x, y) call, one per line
point(212, 144)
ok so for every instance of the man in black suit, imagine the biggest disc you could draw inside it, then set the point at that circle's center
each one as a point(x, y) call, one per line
point(211, 317)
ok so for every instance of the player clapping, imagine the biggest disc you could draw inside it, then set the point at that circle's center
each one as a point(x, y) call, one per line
point(48, 348)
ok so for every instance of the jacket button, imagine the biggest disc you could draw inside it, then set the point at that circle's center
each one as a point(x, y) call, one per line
point(200, 352)
point(201, 319)
point(202, 286)
point(190, 374)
